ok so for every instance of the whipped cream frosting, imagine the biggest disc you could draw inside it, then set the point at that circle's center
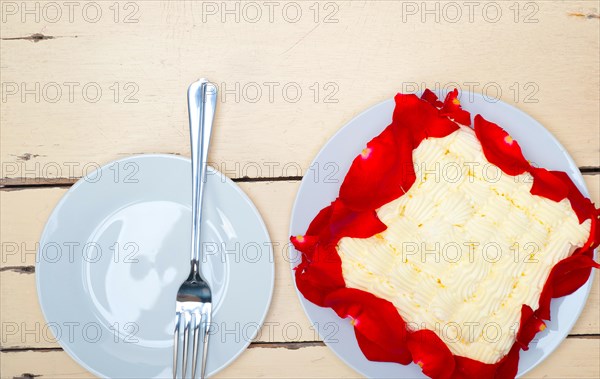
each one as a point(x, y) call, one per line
point(464, 248)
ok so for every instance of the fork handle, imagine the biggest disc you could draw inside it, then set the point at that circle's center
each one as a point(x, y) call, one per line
point(202, 102)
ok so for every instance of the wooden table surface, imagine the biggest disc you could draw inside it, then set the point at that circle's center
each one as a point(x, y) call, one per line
point(84, 83)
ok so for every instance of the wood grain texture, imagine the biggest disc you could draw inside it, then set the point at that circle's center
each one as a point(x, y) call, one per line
point(371, 51)
point(574, 358)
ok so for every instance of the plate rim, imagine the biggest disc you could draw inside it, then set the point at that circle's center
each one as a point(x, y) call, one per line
point(82, 181)
point(294, 262)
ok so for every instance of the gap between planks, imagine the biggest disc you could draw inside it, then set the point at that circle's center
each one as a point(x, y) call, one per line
point(253, 345)
point(259, 345)
point(16, 185)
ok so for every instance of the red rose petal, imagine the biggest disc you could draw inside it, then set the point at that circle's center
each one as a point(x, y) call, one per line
point(582, 206)
point(565, 278)
point(432, 354)
point(467, 368)
point(594, 239)
point(530, 325)
point(335, 222)
point(431, 98)
point(452, 109)
point(548, 184)
point(509, 365)
point(376, 320)
point(499, 148)
point(506, 368)
point(420, 119)
point(571, 273)
point(348, 223)
point(378, 176)
point(378, 353)
point(320, 222)
point(317, 278)
point(305, 244)
point(543, 310)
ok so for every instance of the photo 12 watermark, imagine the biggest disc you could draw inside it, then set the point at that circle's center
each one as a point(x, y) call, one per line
point(317, 172)
point(491, 92)
point(469, 252)
point(133, 252)
point(452, 12)
point(468, 332)
point(75, 331)
point(34, 171)
point(253, 12)
point(52, 252)
point(52, 12)
point(136, 332)
point(27, 168)
point(269, 92)
point(70, 92)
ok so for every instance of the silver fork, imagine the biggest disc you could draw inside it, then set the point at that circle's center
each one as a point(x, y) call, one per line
point(194, 299)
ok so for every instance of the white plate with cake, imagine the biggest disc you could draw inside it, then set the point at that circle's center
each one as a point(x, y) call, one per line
point(457, 238)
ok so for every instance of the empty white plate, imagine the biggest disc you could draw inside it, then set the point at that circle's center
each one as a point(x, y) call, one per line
point(117, 247)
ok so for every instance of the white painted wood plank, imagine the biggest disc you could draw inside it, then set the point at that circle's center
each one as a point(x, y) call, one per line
point(364, 58)
point(574, 358)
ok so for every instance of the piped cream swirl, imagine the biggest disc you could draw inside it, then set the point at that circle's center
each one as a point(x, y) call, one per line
point(464, 248)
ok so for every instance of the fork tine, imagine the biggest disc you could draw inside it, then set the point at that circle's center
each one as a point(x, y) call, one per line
point(186, 328)
point(176, 344)
point(206, 312)
point(197, 324)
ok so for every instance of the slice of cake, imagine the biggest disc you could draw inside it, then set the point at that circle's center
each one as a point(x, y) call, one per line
point(446, 245)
